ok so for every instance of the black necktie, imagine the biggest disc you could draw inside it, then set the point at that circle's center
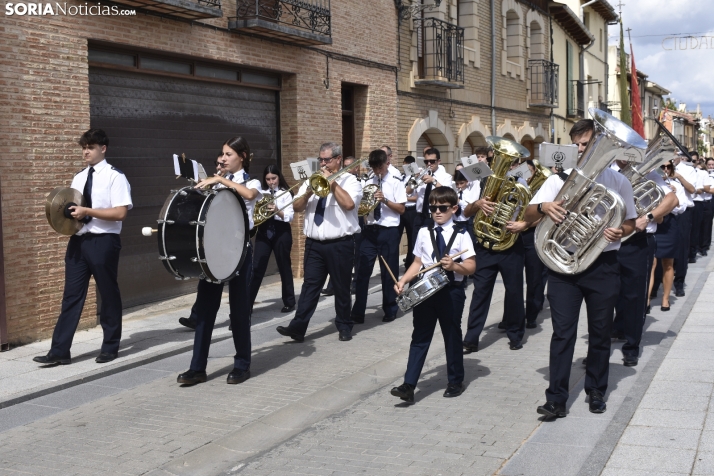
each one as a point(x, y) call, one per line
point(320, 211)
point(378, 211)
point(425, 205)
point(461, 194)
point(88, 187)
point(441, 247)
point(230, 177)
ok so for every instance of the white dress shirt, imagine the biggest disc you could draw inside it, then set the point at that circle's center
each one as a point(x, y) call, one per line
point(468, 195)
point(110, 189)
point(444, 179)
point(681, 196)
point(337, 222)
point(709, 182)
point(393, 191)
point(395, 172)
point(612, 180)
point(243, 178)
point(702, 181)
point(424, 249)
point(657, 178)
point(283, 199)
point(688, 173)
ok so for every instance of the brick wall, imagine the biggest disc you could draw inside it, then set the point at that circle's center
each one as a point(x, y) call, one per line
point(44, 91)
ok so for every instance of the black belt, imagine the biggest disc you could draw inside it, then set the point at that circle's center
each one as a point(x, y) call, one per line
point(378, 227)
point(334, 240)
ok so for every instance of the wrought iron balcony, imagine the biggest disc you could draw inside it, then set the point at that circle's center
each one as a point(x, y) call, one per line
point(440, 48)
point(544, 83)
point(576, 98)
point(189, 9)
point(303, 22)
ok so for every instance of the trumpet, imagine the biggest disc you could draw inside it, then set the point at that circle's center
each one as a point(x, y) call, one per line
point(366, 177)
point(317, 183)
point(415, 182)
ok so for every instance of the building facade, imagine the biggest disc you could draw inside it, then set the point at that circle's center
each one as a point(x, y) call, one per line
point(176, 77)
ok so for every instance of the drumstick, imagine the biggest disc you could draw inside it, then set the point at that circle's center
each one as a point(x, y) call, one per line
point(388, 269)
point(439, 264)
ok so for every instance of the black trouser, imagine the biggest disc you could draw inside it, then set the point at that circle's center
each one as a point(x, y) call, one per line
point(273, 236)
point(446, 307)
point(599, 285)
point(384, 241)
point(681, 261)
point(488, 264)
point(358, 245)
point(705, 235)
point(208, 301)
point(696, 229)
point(536, 276)
point(406, 222)
point(90, 255)
point(323, 258)
point(635, 257)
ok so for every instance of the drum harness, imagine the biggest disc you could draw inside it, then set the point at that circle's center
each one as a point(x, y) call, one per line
point(438, 255)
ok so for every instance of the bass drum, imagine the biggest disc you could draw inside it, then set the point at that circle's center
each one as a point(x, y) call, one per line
point(203, 234)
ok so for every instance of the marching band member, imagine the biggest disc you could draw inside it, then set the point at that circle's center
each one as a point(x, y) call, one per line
point(706, 183)
point(706, 240)
point(447, 305)
point(330, 226)
point(93, 251)
point(392, 169)
point(636, 256)
point(599, 286)
point(536, 272)
point(464, 190)
point(408, 218)
point(275, 235)
point(436, 177)
point(698, 215)
point(380, 237)
point(236, 163)
point(687, 176)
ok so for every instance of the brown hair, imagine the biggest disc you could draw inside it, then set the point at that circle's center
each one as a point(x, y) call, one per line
point(443, 195)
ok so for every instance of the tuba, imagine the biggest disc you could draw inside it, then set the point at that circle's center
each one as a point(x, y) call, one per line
point(660, 150)
point(539, 177)
point(510, 196)
point(572, 246)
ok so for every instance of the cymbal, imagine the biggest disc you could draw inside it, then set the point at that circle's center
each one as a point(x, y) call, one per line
point(58, 216)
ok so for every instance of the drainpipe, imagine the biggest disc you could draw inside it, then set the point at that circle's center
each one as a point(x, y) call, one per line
point(552, 60)
point(3, 309)
point(493, 68)
point(583, 50)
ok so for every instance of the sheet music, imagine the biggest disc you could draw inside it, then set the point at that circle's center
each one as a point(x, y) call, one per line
point(410, 169)
point(556, 155)
point(420, 163)
point(314, 164)
point(470, 160)
point(476, 171)
point(522, 171)
point(301, 170)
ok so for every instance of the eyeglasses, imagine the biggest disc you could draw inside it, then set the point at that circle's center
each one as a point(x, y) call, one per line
point(429, 162)
point(441, 208)
point(329, 159)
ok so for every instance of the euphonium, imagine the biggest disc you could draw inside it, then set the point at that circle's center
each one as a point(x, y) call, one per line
point(511, 197)
point(368, 202)
point(660, 150)
point(539, 177)
point(572, 246)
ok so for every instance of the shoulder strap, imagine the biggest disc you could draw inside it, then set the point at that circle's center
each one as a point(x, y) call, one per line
point(432, 235)
point(563, 176)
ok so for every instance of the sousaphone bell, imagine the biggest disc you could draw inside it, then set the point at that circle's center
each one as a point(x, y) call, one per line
point(59, 216)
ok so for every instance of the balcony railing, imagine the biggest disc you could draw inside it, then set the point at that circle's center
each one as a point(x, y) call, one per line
point(544, 83)
point(440, 48)
point(305, 22)
point(576, 98)
point(188, 9)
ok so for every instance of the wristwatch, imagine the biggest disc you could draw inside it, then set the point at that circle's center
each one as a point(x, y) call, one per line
point(650, 217)
point(540, 209)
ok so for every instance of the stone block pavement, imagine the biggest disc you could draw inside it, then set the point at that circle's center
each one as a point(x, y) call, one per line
point(323, 406)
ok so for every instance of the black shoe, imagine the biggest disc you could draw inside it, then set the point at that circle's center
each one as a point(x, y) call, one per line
point(192, 377)
point(327, 292)
point(531, 325)
point(664, 308)
point(288, 308)
point(345, 335)
point(105, 357)
point(288, 333)
point(388, 318)
point(597, 402)
point(703, 252)
point(679, 293)
point(629, 361)
point(357, 319)
point(405, 392)
point(52, 359)
point(502, 325)
point(553, 410)
point(692, 260)
point(454, 390)
point(188, 322)
point(648, 309)
point(237, 376)
point(515, 345)
point(470, 348)
point(585, 361)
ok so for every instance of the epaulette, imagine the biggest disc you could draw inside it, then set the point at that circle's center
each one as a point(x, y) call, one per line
point(246, 176)
point(462, 230)
point(114, 168)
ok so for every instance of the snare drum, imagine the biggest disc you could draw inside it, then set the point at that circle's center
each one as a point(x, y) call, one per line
point(203, 234)
point(422, 290)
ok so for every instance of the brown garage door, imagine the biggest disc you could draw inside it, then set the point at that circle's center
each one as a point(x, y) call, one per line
point(148, 118)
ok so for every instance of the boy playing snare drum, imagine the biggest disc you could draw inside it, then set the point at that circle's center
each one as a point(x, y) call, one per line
point(434, 245)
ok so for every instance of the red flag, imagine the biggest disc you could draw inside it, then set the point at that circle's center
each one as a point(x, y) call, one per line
point(637, 121)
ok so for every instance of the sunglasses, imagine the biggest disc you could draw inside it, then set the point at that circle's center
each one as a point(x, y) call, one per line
point(329, 159)
point(441, 208)
point(429, 162)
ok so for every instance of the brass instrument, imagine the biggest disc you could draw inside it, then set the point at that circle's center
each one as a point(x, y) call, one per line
point(366, 177)
point(261, 212)
point(415, 182)
point(317, 183)
point(539, 177)
point(368, 202)
point(511, 197)
point(573, 245)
